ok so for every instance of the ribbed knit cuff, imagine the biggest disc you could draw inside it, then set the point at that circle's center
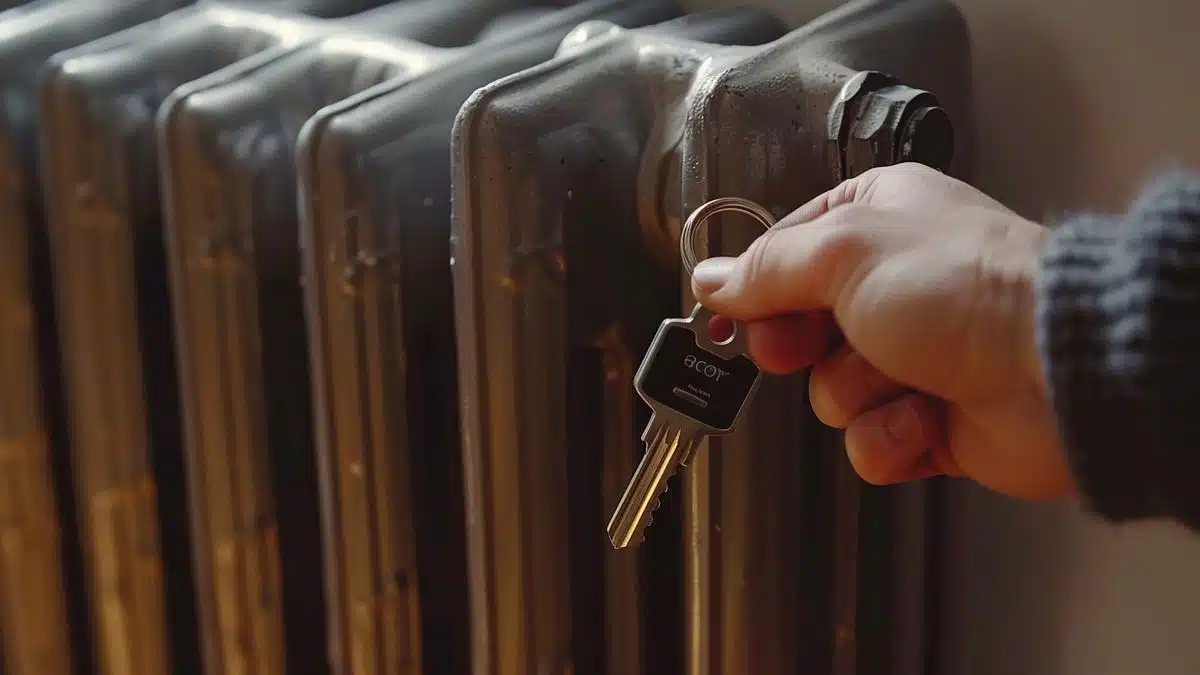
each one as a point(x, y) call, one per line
point(1118, 331)
point(1081, 267)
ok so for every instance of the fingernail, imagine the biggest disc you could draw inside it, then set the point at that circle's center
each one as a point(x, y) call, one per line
point(902, 424)
point(712, 273)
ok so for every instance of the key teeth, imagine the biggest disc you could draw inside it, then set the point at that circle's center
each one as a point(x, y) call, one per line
point(657, 503)
point(640, 538)
point(657, 434)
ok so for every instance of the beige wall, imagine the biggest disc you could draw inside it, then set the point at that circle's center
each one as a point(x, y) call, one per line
point(1078, 101)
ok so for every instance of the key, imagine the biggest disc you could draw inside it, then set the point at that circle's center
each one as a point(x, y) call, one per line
point(696, 387)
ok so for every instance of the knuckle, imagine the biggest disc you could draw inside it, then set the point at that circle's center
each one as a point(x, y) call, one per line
point(844, 194)
point(886, 184)
point(761, 261)
point(860, 188)
point(827, 396)
point(915, 169)
point(866, 182)
point(842, 244)
point(867, 461)
point(870, 386)
point(845, 386)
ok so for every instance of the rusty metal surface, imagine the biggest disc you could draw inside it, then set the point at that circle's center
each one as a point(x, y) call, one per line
point(99, 103)
point(564, 264)
point(319, 422)
point(33, 605)
point(230, 222)
point(570, 180)
point(38, 560)
point(374, 181)
point(227, 153)
point(104, 96)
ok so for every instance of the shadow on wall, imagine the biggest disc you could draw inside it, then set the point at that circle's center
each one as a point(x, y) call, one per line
point(1028, 94)
point(1041, 589)
point(1079, 101)
point(1005, 575)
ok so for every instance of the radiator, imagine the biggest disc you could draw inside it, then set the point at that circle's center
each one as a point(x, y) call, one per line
point(569, 182)
point(116, 234)
point(228, 144)
point(318, 322)
point(376, 247)
point(38, 556)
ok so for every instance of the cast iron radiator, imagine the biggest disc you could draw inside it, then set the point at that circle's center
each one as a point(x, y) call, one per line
point(228, 145)
point(570, 180)
point(40, 562)
point(375, 216)
point(318, 322)
point(101, 171)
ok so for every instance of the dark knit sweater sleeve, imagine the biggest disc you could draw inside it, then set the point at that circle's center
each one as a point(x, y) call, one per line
point(1118, 330)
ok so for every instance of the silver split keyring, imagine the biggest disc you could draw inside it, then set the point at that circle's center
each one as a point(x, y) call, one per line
point(687, 237)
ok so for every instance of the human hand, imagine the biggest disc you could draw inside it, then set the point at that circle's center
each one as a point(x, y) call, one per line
point(911, 295)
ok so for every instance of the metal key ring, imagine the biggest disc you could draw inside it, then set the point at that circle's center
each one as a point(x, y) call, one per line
point(687, 236)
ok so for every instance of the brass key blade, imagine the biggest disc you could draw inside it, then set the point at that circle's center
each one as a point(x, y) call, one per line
point(665, 446)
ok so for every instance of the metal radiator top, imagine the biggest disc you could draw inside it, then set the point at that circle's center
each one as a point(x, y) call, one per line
point(318, 323)
point(569, 183)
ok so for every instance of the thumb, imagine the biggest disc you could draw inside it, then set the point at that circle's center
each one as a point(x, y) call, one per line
point(786, 270)
point(792, 267)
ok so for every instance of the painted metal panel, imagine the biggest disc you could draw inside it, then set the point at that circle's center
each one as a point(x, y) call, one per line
point(570, 181)
point(99, 103)
point(374, 200)
point(39, 567)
